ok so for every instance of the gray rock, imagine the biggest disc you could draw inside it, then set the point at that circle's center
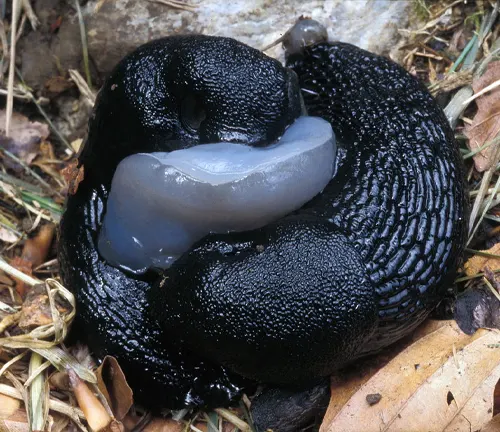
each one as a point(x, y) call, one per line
point(122, 25)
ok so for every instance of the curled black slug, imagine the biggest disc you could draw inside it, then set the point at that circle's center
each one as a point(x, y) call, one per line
point(354, 269)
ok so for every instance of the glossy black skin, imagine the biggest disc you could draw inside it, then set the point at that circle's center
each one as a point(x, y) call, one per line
point(138, 111)
point(357, 268)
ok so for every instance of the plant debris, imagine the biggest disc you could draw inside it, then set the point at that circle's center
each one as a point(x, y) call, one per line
point(439, 379)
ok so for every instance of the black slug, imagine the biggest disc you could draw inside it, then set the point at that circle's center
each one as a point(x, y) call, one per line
point(357, 267)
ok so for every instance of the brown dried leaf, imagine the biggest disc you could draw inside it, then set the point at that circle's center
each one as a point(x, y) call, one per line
point(35, 252)
point(25, 267)
point(478, 263)
point(496, 399)
point(73, 176)
point(36, 249)
point(95, 413)
point(493, 425)
point(113, 385)
point(155, 425)
point(12, 415)
point(9, 321)
point(36, 310)
point(440, 381)
point(24, 138)
point(60, 423)
point(8, 236)
point(486, 123)
point(58, 84)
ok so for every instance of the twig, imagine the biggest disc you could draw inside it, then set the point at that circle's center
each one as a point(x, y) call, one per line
point(491, 288)
point(83, 87)
point(5, 48)
point(444, 9)
point(30, 13)
point(85, 48)
point(233, 419)
point(7, 268)
point(28, 170)
point(176, 4)
point(74, 414)
point(21, 28)
point(492, 86)
point(12, 66)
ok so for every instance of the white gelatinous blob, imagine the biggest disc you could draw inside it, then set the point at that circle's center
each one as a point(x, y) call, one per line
point(162, 203)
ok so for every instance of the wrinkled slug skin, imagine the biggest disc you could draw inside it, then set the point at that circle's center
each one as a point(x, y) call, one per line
point(137, 111)
point(359, 266)
point(356, 268)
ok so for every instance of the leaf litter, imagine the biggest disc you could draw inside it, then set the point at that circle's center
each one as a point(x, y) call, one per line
point(437, 379)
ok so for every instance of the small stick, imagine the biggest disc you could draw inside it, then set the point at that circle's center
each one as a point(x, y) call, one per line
point(12, 66)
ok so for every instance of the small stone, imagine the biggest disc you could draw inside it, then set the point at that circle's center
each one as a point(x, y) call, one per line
point(373, 398)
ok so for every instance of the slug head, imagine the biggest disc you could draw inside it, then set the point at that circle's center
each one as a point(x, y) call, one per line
point(177, 92)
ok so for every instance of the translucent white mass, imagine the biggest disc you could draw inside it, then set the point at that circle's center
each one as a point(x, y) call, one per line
point(162, 203)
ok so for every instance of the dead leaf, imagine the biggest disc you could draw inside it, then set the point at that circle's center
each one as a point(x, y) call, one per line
point(54, 26)
point(36, 310)
point(113, 385)
point(60, 423)
point(26, 268)
point(24, 138)
point(154, 425)
point(477, 263)
point(36, 249)
point(9, 321)
point(73, 176)
point(477, 307)
point(13, 416)
point(35, 252)
point(59, 380)
point(438, 382)
point(95, 413)
point(496, 399)
point(58, 84)
point(8, 236)
point(493, 425)
point(486, 123)
point(8, 406)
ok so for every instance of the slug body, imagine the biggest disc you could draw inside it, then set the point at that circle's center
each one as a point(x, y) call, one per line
point(354, 269)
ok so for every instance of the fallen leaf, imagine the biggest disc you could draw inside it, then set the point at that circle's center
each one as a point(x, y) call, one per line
point(477, 263)
point(35, 252)
point(24, 138)
point(95, 413)
point(9, 321)
point(438, 382)
point(60, 423)
point(154, 425)
point(113, 385)
point(12, 415)
point(493, 425)
point(8, 406)
point(36, 249)
point(475, 308)
point(36, 311)
point(54, 26)
point(58, 84)
point(496, 399)
point(8, 236)
point(73, 176)
point(486, 123)
point(24, 267)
